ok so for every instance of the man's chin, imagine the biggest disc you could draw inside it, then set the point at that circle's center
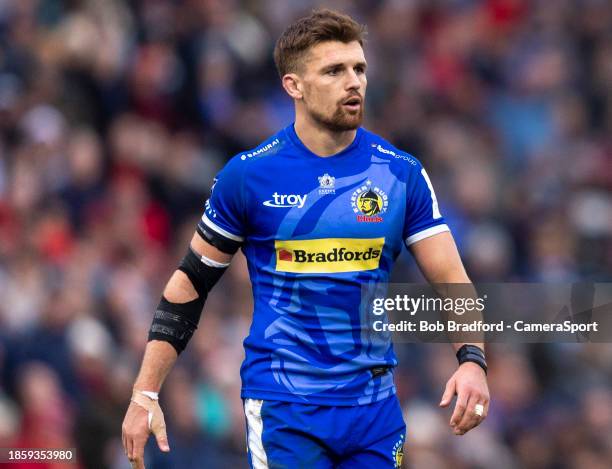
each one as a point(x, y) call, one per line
point(341, 121)
point(350, 119)
point(345, 123)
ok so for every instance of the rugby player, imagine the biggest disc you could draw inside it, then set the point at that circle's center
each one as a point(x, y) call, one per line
point(320, 210)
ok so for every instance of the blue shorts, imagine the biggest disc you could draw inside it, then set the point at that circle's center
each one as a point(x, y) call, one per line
point(288, 435)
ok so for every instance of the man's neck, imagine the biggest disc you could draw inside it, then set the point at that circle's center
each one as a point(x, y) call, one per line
point(322, 142)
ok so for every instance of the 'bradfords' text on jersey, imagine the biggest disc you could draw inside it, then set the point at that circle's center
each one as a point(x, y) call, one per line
point(330, 255)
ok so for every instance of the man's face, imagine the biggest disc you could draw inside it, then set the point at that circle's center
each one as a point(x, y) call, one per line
point(369, 206)
point(334, 84)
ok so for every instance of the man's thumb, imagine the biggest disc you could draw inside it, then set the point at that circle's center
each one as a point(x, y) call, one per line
point(449, 392)
point(162, 441)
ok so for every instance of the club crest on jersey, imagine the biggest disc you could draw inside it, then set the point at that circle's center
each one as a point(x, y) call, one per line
point(398, 452)
point(369, 202)
point(327, 184)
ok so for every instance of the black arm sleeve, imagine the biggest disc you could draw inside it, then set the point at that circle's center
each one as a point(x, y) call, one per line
point(176, 322)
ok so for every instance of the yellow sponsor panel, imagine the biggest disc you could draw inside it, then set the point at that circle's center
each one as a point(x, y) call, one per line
point(328, 255)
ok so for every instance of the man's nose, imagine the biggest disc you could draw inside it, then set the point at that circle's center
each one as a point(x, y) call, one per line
point(353, 81)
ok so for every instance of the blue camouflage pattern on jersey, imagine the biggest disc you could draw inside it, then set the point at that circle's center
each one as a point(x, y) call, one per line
point(320, 235)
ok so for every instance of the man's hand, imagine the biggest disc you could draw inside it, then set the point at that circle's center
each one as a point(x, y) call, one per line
point(469, 383)
point(144, 416)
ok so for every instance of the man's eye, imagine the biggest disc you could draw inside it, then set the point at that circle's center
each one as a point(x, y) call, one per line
point(333, 71)
point(360, 69)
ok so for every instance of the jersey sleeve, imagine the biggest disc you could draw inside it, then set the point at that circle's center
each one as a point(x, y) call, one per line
point(423, 218)
point(223, 221)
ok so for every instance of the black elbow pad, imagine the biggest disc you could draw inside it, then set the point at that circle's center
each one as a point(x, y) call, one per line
point(176, 322)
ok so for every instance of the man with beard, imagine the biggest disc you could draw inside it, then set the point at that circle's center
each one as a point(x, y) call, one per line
point(369, 203)
point(318, 388)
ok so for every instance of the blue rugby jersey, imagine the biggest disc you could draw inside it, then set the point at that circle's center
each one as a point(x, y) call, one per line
point(315, 231)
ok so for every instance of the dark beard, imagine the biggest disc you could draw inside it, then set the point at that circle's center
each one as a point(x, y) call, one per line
point(341, 120)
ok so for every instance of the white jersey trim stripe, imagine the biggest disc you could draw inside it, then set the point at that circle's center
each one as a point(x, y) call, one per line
point(220, 230)
point(434, 201)
point(434, 230)
point(252, 410)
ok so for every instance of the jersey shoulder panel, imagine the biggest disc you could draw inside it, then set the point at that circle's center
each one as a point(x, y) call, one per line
point(226, 210)
point(269, 147)
point(238, 165)
point(398, 159)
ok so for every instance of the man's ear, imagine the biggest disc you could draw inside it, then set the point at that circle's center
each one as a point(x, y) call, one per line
point(293, 85)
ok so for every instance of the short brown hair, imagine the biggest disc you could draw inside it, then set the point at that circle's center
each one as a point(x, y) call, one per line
point(320, 26)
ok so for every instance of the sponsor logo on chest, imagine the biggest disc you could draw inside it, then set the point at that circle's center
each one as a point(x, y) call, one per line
point(286, 200)
point(328, 255)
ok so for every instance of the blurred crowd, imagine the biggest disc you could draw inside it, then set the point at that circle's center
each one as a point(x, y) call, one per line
point(115, 116)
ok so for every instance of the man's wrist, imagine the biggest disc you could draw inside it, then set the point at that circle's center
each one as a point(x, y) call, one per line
point(153, 395)
point(472, 353)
